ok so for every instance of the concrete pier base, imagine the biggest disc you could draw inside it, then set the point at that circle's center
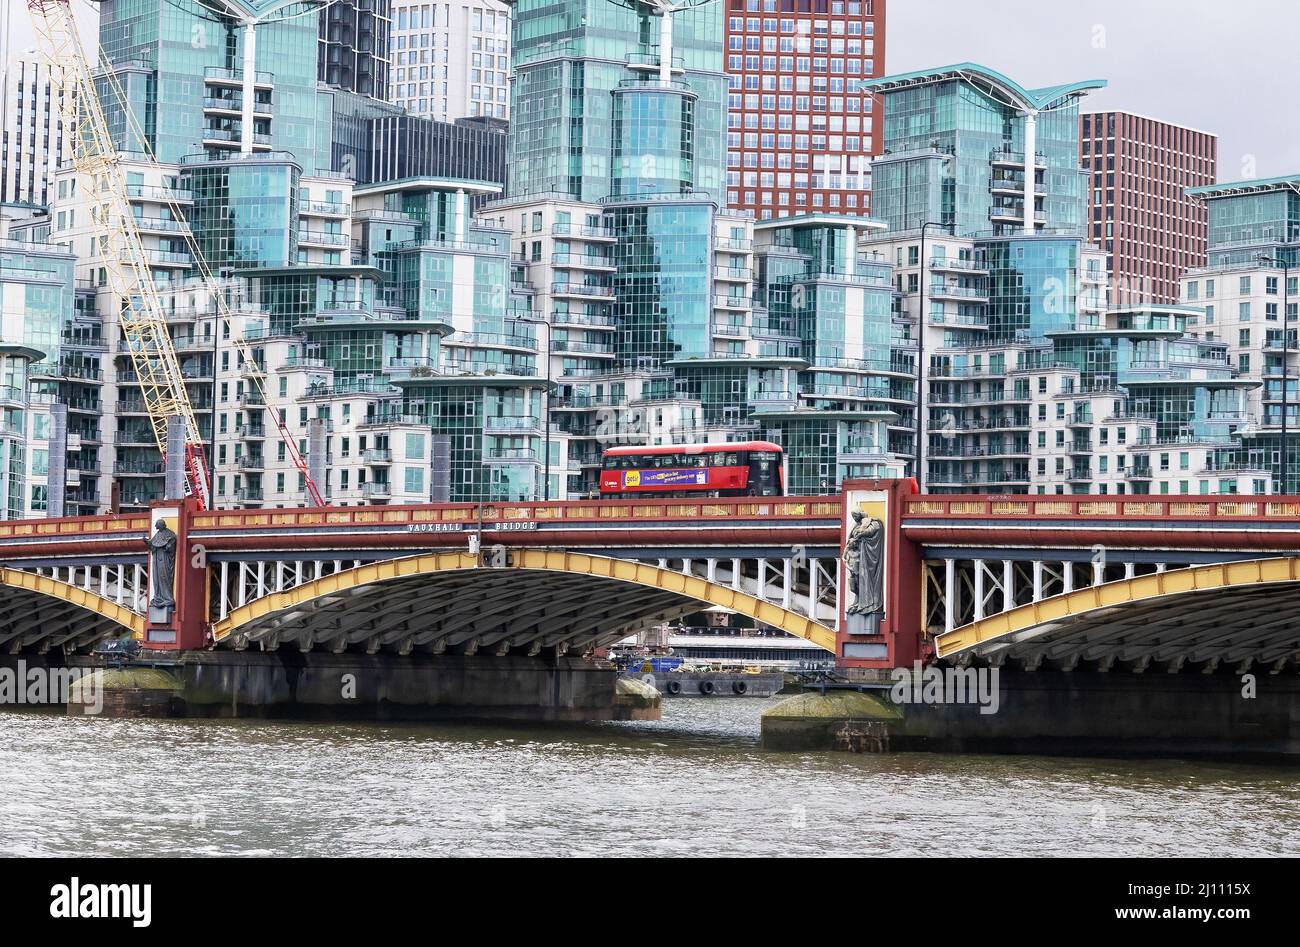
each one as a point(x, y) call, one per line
point(376, 687)
point(127, 692)
point(1076, 713)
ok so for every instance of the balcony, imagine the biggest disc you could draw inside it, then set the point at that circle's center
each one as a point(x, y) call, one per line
point(376, 490)
point(592, 349)
point(138, 468)
point(252, 462)
point(511, 455)
point(215, 75)
point(235, 106)
point(159, 225)
point(251, 432)
point(774, 400)
point(1015, 214)
point(146, 192)
point(231, 138)
point(581, 261)
point(1015, 159)
point(969, 294)
point(1010, 186)
point(581, 290)
point(182, 343)
point(322, 238)
point(579, 319)
point(958, 321)
point(325, 209)
point(958, 265)
point(862, 452)
point(733, 274)
point(166, 258)
point(855, 392)
point(506, 424)
point(406, 368)
point(586, 233)
point(376, 456)
point(134, 436)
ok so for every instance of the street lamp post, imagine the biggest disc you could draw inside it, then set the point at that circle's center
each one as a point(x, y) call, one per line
point(1286, 354)
point(918, 470)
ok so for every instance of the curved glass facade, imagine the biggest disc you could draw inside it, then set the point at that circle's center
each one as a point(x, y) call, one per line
point(654, 141)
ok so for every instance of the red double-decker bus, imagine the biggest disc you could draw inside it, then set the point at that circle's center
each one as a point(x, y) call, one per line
point(747, 468)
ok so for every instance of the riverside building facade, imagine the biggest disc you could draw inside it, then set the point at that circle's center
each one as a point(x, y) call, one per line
point(1035, 379)
point(1250, 303)
point(669, 317)
point(424, 334)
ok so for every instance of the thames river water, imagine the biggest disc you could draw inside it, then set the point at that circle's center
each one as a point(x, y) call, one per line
point(694, 783)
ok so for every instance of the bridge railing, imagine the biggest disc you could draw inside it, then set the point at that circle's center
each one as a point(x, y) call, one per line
point(494, 514)
point(74, 526)
point(1094, 507)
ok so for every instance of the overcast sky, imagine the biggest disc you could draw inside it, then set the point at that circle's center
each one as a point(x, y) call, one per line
point(1223, 66)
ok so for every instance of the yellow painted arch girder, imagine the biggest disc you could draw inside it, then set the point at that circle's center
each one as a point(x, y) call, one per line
point(75, 595)
point(1074, 604)
point(623, 570)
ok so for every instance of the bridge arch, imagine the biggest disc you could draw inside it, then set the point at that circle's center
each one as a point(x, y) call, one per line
point(1230, 612)
point(541, 598)
point(41, 611)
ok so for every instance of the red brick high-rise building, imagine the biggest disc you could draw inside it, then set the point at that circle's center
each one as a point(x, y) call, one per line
point(1139, 169)
point(800, 136)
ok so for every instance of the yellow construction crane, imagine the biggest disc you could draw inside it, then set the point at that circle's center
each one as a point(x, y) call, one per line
point(95, 158)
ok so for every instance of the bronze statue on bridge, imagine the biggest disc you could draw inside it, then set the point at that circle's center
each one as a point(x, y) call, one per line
point(864, 557)
point(162, 571)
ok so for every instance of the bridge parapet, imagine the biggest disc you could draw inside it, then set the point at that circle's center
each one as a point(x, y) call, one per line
point(1130, 522)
